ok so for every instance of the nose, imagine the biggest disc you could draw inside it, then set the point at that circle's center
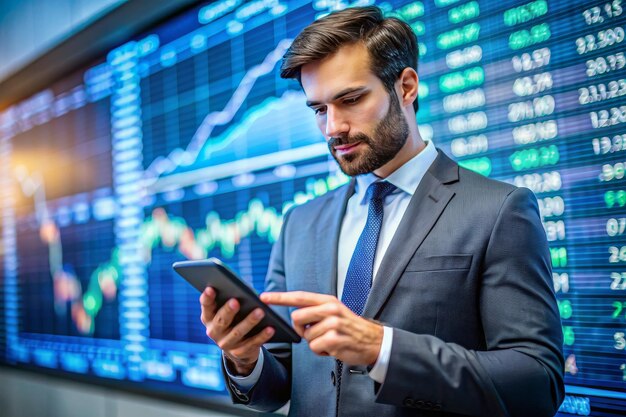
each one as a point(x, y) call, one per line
point(336, 124)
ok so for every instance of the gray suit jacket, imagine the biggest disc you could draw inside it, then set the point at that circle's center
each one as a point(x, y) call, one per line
point(466, 285)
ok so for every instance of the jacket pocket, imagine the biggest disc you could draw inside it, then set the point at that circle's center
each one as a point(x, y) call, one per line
point(439, 263)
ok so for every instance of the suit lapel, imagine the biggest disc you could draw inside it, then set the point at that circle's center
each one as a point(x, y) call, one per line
point(327, 229)
point(425, 208)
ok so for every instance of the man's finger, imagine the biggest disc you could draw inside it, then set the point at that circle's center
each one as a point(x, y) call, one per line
point(208, 307)
point(302, 318)
point(327, 344)
point(329, 324)
point(296, 298)
point(239, 332)
point(313, 314)
point(224, 316)
point(257, 340)
point(207, 298)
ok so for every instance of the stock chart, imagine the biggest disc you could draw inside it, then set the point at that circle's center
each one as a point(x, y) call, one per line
point(184, 143)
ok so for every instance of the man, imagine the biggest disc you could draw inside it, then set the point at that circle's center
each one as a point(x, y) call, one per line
point(420, 288)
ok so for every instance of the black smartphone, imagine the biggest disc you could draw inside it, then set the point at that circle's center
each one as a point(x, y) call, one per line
point(213, 273)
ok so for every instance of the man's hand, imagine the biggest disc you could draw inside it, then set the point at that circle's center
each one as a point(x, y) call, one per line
point(242, 353)
point(330, 327)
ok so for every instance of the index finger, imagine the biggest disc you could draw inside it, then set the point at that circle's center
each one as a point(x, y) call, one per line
point(207, 298)
point(295, 298)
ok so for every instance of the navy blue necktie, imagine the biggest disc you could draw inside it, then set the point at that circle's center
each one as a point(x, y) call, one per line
point(361, 268)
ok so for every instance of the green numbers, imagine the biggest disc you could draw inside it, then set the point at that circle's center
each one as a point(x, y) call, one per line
point(534, 158)
point(525, 38)
point(453, 38)
point(525, 13)
point(464, 12)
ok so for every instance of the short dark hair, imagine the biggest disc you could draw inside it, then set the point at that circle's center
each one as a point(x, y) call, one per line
point(390, 42)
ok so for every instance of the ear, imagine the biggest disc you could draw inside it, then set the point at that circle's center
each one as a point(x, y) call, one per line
point(408, 83)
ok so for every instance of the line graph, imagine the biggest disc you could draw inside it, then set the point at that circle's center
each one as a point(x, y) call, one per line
point(103, 282)
point(262, 123)
point(161, 229)
point(225, 235)
point(262, 135)
point(179, 157)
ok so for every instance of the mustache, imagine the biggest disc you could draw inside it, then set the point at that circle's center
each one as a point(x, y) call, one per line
point(347, 140)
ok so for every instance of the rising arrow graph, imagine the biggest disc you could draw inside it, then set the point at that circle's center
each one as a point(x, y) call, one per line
point(179, 157)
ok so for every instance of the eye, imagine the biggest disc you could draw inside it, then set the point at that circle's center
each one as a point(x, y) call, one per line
point(352, 100)
point(319, 111)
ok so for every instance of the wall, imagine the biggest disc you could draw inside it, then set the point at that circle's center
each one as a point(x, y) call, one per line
point(30, 27)
point(24, 394)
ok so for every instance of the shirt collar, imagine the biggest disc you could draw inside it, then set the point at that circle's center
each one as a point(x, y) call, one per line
point(406, 178)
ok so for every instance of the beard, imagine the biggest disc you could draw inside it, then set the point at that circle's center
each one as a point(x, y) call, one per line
point(390, 135)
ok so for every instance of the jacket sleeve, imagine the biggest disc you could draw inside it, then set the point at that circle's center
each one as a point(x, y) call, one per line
point(521, 371)
point(273, 389)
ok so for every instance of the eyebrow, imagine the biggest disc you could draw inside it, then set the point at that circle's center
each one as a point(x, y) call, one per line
point(340, 94)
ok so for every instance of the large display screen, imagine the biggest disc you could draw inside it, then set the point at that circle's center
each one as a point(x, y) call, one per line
point(184, 143)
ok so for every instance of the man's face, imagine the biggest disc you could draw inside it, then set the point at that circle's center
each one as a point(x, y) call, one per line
point(363, 123)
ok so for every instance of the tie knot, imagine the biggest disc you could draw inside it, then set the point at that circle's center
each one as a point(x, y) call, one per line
point(379, 190)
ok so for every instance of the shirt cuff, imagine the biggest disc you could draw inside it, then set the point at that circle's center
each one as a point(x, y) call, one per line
point(379, 371)
point(245, 383)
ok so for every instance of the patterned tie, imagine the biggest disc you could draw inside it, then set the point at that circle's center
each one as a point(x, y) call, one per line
point(361, 268)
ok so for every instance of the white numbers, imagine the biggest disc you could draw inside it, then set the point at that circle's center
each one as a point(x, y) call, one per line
point(468, 122)
point(612, 172)
point(604, 145)
point(560, 282)
point(463, 57)
point(540, 183)
point(538, 83)
point(599, 14)
point(464, 101)
point(527, 62)
point(602, 65)
point(617, 254)
point(524, 110)
point(551, 206)
point(600, 92)
point(616, 227)
point(607, 118)
point(603, 39)
point(618, 281)
point(555, 230)
point(469, 146)
point(535, 132)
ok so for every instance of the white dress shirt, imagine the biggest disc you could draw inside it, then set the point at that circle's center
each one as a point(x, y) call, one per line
point(406, 179)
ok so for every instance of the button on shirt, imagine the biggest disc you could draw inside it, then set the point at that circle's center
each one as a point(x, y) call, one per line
point(406, 179)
